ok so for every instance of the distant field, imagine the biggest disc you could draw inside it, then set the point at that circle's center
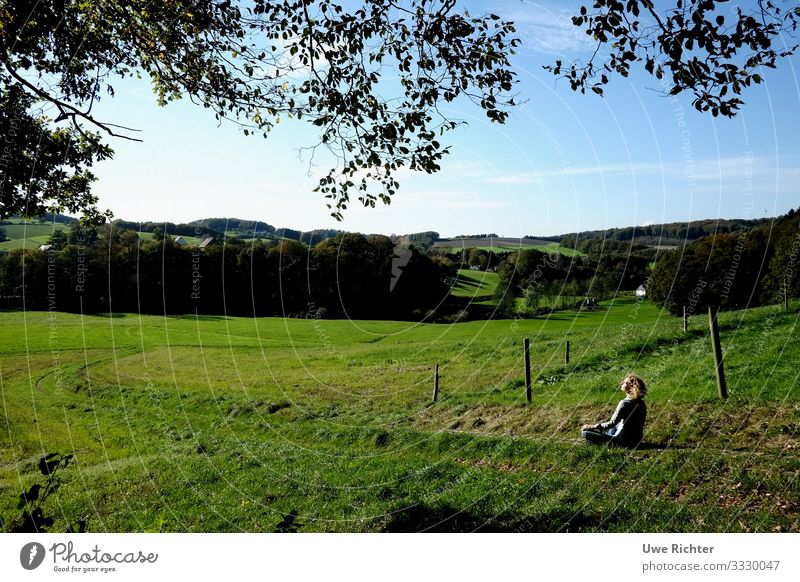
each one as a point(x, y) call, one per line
point(500, 245)
point(483, 242)
point(479, 285)
point(32, 236)
point(560, 301)
point(193, 240)
point(29, 236)
point(230, 424)
point(196, 240)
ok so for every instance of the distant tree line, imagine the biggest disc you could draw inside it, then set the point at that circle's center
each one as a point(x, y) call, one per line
point(228, 227)
point(46, 218)
point(733, 270)
point(556, 238)
point(112, 269)
point(550, 281)
point(353, 275)
point(314, 236)
point(223, 225)
point(168, 228)
point(481, 259)
point(598, 248)
point(675, 232)
point(421, 240)
point(482, 235)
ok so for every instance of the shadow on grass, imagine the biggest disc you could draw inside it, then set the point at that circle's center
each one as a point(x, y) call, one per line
point(194, 317)
point(447, 519)
point(644, 446)
point(289, 523)
point(699, 446)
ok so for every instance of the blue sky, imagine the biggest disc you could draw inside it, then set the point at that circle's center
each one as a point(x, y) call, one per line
point(563, 162)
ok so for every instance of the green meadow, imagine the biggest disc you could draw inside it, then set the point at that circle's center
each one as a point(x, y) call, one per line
point(28, 235)
point(31, 236)
point(479, 286)
point(514, 247)
point(203, 424)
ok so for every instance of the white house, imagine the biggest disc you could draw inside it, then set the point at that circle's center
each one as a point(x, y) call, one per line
point(641, 291)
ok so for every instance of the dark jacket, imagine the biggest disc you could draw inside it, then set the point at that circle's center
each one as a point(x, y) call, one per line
point(632, 414)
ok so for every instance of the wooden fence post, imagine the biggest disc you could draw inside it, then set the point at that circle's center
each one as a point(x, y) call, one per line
point(685, 320)
point(436, 383)
point(722, 387)
point(566, 353)
point(527, 349)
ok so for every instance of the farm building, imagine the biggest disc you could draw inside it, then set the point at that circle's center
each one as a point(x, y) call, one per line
point(641, 291)
point(206, 242)
point(180, 241)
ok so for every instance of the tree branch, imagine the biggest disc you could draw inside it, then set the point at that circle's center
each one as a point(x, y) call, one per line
point(67, 110)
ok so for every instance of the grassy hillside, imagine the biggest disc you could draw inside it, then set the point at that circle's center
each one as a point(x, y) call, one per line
point(225, 424)
point(32, 236)
point(28, 236)
point(477, 285)
point(505, 247)
point(192, 240)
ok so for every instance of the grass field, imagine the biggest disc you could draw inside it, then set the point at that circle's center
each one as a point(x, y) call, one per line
point(477, 285)
point(513, 247)
point(28, 236)
point(32, 236)
point(228, 424)
point(192, 240)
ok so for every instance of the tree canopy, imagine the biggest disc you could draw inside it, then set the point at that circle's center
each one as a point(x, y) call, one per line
point(734, 270)
point(370, 78)
point(706, 47)
point(350, 275)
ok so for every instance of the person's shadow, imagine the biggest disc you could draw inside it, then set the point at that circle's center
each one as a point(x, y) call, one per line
point(289, 523)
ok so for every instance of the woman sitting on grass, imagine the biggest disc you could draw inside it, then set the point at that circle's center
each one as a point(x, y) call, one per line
point(626, 427)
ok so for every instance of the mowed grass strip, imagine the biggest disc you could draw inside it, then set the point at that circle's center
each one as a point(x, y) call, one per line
point(228, 424)
point(478, 285)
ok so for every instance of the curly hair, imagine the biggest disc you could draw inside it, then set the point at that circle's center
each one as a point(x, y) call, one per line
point(634, 386)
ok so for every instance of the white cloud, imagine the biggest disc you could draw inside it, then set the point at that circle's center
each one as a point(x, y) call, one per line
point(549, 31)
point(755, 170)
